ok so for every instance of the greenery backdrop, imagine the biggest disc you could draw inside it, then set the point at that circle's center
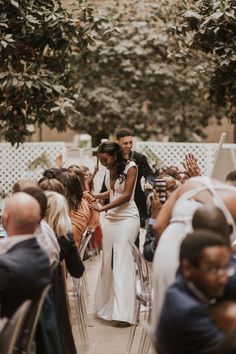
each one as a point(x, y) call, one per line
point(147, 65)
point(138, 76)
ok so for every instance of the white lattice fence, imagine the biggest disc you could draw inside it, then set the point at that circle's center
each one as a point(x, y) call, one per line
point(30, 159)
point(27, 161)
point(173, 153)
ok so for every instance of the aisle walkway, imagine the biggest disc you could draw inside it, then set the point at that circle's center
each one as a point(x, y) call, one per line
point(105, 338)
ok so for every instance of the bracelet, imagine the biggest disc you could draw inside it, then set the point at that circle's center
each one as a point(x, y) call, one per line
point(151, 221)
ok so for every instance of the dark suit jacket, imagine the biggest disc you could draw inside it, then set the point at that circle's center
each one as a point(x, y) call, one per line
point(150, 244)
point(24, 272)
point(144, 170)
point(185, 326)
point(70, 254)
point(230, 289)
point(63, 321)
point(54, 333)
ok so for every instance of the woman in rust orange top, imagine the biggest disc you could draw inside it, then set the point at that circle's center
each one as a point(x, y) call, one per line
point(79, 211)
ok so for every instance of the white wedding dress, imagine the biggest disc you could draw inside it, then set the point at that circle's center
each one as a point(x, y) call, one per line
point(166, 258)
point(115, 292)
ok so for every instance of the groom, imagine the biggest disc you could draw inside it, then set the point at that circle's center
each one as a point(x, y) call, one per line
point(125, 139)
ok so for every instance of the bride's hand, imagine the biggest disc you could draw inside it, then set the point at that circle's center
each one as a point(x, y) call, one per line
point(89, 196)
point(95, 206)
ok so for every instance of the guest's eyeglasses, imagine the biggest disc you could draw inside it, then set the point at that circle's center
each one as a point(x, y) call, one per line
point(229, 270)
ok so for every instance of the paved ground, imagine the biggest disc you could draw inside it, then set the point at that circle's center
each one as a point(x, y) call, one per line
point(105, 337)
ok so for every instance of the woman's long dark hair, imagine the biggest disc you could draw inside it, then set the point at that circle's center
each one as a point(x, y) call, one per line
point(74, 192)
point(53, 172)
point(79, 173)
point(114, 149)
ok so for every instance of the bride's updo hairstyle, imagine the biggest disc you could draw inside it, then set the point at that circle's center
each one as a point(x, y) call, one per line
point(114, 149)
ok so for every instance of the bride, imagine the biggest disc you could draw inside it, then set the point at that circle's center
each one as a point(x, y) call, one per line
point(115, 292)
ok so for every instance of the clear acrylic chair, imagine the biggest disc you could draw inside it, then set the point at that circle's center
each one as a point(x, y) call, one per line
point(143, 297)
point(32, 321)
point(12, 329)
point(78, 295)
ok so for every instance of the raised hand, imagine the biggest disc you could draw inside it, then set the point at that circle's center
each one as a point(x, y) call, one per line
point(191, 165)
point(59, 161)
point(155, 204)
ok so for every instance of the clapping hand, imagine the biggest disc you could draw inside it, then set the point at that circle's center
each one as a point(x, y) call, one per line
point(59, 161)
point(191, 165)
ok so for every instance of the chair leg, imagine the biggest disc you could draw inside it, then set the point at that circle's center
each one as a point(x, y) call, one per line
point(147, 345)
point(144, 339)
point(84, 310)
point(80, 323)
point(85, 285)
point(133, 329)
point(84, 327)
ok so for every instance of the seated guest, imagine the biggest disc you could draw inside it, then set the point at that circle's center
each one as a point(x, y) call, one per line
point(47, 335)
point(24, 267)
point(185, 325)
point(57, 217)
point(231, 178)
point(23, 183)
point(80, 174)
point(89, 177)
point(93, 224)
point(53, 172)
point(212, 218)
point(79, 211)
point(45, 235)
point(94, 215)
point(51, 184)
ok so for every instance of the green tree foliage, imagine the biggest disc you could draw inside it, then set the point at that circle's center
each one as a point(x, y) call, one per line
point(37, 40)
point(135, 77)
point(211, 28)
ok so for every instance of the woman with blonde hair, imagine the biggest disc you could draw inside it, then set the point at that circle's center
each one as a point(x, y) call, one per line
point(57, 217)
point(57, 213)
point(51, 184)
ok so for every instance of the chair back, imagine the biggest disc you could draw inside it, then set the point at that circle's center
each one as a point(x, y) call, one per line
point(84, 243)
point(13, 328)
point(32, 321)
point(143, 273)
point(64, 275)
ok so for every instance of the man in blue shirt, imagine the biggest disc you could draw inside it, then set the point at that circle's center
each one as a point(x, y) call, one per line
point(185, 325)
